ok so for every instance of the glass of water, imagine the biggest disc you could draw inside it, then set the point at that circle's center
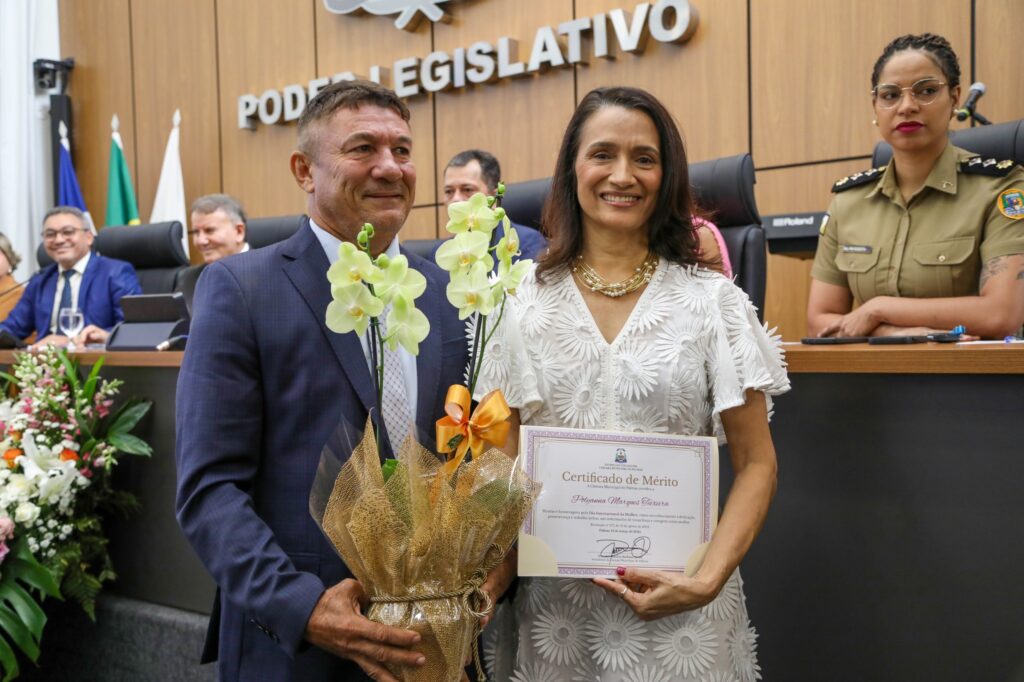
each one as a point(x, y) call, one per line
point(71, 322)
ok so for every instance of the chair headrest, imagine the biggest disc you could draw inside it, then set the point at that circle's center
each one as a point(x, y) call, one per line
point(724, 186)
point(157, 245)
point(524, 201)
point(260, 232)
point(999, 141)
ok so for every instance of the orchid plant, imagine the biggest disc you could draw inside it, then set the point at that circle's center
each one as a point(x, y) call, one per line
point(476, 287)
point(361, 287)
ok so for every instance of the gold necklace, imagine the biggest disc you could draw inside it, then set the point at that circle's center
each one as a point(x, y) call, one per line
point(598, 284)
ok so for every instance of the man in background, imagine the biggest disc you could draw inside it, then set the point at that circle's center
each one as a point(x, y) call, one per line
point(475, 170)
point(77, 278)
point(218, 231)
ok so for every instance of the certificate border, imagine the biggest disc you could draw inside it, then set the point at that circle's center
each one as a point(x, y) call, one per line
point(701, 444)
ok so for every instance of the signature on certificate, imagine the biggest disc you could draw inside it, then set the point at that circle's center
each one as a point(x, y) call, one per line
point(636, 549)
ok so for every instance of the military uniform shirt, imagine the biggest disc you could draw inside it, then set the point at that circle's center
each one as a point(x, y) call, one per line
point(935, 245)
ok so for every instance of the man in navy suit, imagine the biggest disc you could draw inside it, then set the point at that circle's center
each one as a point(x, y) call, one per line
point(475, 170)
point(264, 384)
point(77, 279)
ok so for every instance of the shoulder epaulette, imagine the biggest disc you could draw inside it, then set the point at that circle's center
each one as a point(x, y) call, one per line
point(857, 179)
point(980, 166)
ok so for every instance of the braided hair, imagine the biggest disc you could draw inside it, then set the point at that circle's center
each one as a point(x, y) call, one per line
point(935, 46)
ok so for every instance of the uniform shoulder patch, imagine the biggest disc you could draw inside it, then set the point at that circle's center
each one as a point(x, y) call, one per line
point(1011, 203)
point(857, 179)
point(981, 166)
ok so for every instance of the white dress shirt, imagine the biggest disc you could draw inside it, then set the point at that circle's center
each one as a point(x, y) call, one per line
point(330, 243)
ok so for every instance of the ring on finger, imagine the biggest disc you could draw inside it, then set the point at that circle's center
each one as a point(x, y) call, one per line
point(625, 589)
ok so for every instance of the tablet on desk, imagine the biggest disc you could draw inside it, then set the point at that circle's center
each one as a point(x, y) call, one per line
point(832, 340)
point(893, 340)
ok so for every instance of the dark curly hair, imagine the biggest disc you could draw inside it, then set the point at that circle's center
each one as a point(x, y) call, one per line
point(935, 46)
point(670, 230)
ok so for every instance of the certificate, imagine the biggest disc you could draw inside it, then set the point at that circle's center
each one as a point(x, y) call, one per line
point(613, 499)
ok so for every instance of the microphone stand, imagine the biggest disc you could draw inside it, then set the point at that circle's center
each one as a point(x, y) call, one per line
point(966, 113)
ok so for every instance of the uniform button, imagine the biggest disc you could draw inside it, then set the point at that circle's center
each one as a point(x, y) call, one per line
point(942, 258)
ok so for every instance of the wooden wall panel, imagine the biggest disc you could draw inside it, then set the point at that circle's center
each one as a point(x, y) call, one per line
point(703, 81)
point(98, 35)
point(422, 223)
point(186, 30)
point(811, 70)
point(261, 44)
point(342, 42)
point(791, 190)
point(998, 26)
point(519, 121)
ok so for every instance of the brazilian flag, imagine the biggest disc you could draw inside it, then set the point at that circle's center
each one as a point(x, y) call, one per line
point(122, 209)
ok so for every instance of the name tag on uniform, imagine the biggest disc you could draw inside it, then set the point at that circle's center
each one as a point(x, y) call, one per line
point(854, 248)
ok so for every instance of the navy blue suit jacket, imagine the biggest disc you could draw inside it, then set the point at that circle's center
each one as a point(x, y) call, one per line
point(263, 385)
point(104, 282)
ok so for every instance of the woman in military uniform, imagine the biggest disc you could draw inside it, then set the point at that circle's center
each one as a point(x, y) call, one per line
point(934, 239)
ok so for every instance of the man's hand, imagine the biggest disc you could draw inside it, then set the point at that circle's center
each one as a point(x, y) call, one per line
point(337, 625)
point(49, 340)
point(91, 334)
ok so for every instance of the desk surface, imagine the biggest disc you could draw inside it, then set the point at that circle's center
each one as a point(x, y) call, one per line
point(925, 358)
point(171, 358)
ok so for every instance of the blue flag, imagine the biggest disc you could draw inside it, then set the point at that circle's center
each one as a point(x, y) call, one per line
point(68, 191)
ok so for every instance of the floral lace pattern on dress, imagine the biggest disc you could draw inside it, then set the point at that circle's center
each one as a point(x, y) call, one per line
point(689, 350)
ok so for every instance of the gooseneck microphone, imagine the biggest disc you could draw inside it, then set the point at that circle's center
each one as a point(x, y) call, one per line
point(973, 95)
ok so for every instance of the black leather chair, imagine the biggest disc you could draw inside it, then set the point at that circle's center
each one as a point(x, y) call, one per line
point(260, 232)
point(999, 141)
point(724, 187)
point(155, 251)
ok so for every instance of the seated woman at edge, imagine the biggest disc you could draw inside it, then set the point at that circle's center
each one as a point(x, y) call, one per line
point(934, 239)
point(620, 327)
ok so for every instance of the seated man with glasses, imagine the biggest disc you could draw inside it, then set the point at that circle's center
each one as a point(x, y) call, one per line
point(77, 279)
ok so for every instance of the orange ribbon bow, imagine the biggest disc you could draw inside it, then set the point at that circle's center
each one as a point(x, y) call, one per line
point(460, 431)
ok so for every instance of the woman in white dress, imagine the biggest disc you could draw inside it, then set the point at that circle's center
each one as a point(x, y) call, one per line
point(620, 327)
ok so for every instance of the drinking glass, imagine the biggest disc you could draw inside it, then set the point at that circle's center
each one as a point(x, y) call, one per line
point(71, 322)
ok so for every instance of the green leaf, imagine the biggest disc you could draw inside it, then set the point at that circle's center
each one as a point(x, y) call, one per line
point(94, 376)
point(387, 469)
point(70, 370)
point(128, 418)
point(30, 613)
point(8, 661)
point(16, 631)
point(132, 445)
point(21, 565)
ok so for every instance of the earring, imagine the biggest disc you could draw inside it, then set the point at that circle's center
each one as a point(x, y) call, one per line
point(874, 121)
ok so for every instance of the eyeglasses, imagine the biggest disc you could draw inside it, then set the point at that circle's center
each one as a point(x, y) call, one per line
point(924, 91)
point(65, 232)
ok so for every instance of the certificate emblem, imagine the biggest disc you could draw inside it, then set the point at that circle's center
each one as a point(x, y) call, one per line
point(620, 456)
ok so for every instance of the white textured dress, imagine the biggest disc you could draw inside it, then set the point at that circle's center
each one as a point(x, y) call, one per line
point(689, 350)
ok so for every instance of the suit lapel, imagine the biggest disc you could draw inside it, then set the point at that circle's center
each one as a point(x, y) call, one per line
point(87, 279)
point(44, 304)
point(306, 267)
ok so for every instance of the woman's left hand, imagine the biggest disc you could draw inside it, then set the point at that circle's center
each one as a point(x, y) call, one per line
point(860, 322)
point(656, 594)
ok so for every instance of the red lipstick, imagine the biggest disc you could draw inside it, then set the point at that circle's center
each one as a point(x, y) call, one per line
point(909, 126)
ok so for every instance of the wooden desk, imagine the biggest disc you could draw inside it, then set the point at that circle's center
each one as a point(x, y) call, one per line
point(893, 549)
point(922, 358)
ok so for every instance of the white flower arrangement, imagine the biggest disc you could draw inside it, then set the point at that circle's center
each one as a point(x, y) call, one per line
point(59, 443)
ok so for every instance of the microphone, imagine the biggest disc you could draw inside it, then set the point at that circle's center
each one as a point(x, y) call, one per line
point(973, 95)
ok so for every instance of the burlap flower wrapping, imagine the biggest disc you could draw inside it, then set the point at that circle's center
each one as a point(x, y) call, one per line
point(422, 543)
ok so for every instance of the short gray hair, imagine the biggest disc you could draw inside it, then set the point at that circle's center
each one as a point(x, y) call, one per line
point(220, 202)
point(65, 210)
